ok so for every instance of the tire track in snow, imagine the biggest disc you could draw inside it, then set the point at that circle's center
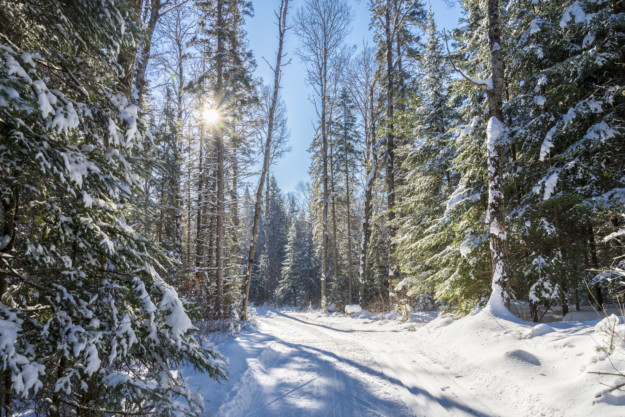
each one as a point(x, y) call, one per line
point(300, 374)
point(417, 381)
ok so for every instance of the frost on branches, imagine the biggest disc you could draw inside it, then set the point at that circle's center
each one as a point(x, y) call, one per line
point(87, 324)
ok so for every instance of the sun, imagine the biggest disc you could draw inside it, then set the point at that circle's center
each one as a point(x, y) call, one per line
point(210, 115)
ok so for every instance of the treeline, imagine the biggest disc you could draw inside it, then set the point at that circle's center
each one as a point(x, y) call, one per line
point(398, 207)
point(402, 162)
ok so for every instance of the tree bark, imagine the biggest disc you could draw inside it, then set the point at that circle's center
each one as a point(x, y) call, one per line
point(335, 243)
point(496, 207)
point(267, 259)
point(219, 138)
point(282, 28)
point(350, 257)
point(324, 155)
point(144, 49)
point(372, 160)
point(199, 234)
point(390, 151)
point(128, 58)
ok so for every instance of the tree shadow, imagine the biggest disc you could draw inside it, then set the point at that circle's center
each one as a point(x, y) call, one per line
point(291, 379)
point(330, 327)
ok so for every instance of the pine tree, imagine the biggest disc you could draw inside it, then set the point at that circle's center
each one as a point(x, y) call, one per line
point(567, 132)
point(299, 286)
point(345, 158)
point(275, 232)
point(227, 87)
point(392, 20)
point(99, 329)
point(430, 179)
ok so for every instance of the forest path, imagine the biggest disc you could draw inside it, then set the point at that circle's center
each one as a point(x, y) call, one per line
point(306, 364)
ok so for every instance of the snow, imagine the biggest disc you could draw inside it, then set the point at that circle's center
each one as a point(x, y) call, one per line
point(13, 67)
point(488, 82)
point(494, 131)
point(459, 195)
point(456, 197)
point(547, 143)
point(550, 185)
point(614, 235)
point(314, 364)
point(573, 14)
point(352, 308)
point(93, 361)
point(177, 319)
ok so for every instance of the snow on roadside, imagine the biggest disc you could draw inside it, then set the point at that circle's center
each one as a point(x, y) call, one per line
point(310, 362)
point(537, 370)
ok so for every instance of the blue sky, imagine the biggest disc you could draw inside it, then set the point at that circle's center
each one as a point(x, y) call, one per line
point(262, 35)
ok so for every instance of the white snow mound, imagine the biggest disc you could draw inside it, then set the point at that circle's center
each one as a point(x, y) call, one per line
point(352, 308)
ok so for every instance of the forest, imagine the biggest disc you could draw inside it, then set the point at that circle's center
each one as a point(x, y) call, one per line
point(449, 169)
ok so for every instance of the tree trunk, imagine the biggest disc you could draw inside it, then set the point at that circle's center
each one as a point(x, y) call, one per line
point(219, 138)
point(350, 258)
point(496, 207)
point(371, 156)
point(595, 264)
point(144, 51)
point(178, 203)
point(284, 4)
point(335, 243)
point(267, 260)
point(199, 225)
point(324, 215)
point(390, 152)
point(127, 58)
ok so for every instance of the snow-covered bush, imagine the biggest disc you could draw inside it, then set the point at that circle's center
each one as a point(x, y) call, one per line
point(87, 324)
point(610, 334)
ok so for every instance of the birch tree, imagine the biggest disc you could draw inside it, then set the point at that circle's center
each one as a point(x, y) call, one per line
point(322, 26)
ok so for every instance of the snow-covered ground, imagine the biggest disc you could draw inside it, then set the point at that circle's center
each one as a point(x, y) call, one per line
point(311, 364)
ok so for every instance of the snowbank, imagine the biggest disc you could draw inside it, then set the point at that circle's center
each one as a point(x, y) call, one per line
point(535, 369)
point(352, 308)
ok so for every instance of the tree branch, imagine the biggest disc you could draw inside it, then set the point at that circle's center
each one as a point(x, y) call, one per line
point(479, 83)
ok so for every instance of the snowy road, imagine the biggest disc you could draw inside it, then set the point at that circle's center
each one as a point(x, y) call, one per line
point(294, 364)
point(302, 364)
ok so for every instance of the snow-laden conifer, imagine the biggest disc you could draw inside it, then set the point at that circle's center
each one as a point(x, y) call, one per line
point(88, 324)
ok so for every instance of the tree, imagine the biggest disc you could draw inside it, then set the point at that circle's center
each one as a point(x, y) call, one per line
point(423, 226)
point(99, 329)
point(322, 26)
point(392, 19)
point(276, 230)
point(282, 28)
point(231, 90)
point(363, 89)
point(565, 133)
point(298, 285)
point(346, 156)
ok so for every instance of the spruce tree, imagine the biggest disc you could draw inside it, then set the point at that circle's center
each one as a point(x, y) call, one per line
point(430, 179)
point(89, 324)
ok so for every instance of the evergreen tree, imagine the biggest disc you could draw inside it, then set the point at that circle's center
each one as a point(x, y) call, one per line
point(392, 21)
point(226, 88)
point(275, 232)
point(89, 326)
point(429, 175)
point(567, 130)
point(299, 286)
point(347, 145)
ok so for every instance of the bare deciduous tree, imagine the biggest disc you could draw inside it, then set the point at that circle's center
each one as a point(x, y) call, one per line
point(322, 26)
